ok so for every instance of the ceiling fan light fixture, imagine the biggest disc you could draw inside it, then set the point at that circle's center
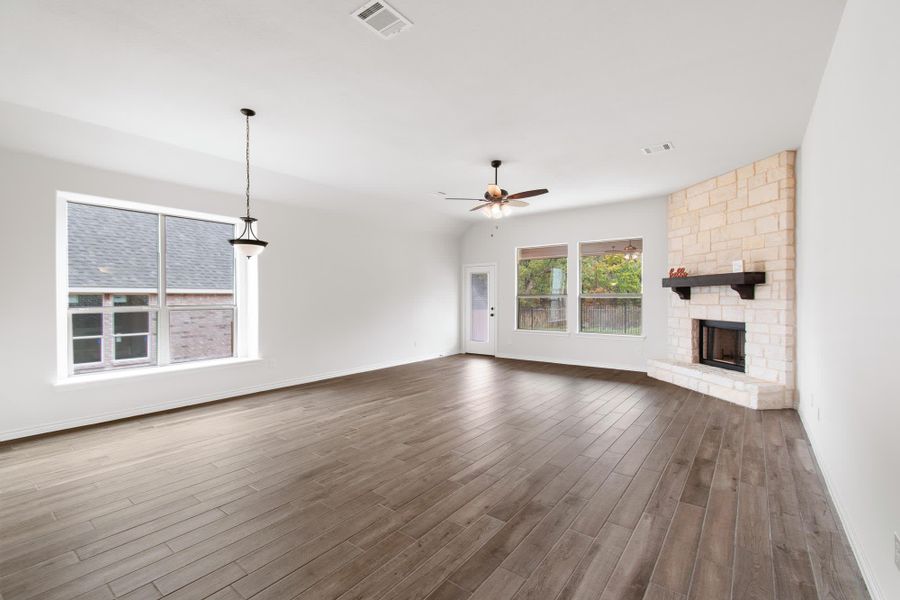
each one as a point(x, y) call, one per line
point(631, 252)
point(497, 202)
point(247, 243)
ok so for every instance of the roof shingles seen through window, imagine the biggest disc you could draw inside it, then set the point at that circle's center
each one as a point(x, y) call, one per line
point(198, 255)
point(118, 249)
point(112, 248)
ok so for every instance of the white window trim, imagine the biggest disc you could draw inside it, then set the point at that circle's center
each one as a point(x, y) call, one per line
point(246, 312)
point(557, 332)
point(578, 330)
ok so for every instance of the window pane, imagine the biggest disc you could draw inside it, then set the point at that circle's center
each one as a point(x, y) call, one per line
point(87, 324)
point(542, 276)
point(85, 300)
point(611, 287)
point(134, 299)
point(611, 315)
point(201, 334)
point(132, 322)
point(112, 248)
point(131, 346)
point(479, 307)
point(610, 273)
point(541, 288)
point(542, 314)
point(199, 262)
point(87, 351)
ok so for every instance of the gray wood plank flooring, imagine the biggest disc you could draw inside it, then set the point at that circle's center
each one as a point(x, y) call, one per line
point(463, 478)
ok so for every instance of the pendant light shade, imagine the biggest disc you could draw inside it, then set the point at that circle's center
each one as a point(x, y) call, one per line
point(248, 243)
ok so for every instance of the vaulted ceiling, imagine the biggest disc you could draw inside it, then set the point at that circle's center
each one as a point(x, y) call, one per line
point(566, 92)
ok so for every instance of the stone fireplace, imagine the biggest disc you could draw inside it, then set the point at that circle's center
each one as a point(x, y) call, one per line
point(743, 215)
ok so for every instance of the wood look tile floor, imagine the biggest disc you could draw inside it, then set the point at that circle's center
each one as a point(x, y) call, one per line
point(458, 478)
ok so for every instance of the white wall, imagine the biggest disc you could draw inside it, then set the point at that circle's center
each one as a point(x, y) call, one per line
point(848, 283)
point(337, 294)
point(496, 242)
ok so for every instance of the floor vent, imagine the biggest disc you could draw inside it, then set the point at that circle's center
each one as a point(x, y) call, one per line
point(664, 147)
point(382, 18)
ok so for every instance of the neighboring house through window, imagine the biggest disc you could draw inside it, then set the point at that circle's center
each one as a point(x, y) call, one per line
point(147, 288)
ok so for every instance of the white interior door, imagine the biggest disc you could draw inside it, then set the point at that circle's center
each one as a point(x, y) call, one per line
point(480, 290)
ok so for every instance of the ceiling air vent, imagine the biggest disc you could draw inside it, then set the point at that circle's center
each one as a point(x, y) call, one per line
point(382, 18)
point(664, 147)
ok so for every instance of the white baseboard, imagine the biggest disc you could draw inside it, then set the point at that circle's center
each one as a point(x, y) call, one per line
point(574, 362)
point(13, 434)
point(865, 566)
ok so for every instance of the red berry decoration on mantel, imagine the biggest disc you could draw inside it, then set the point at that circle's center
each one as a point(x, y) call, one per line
point(677, 272)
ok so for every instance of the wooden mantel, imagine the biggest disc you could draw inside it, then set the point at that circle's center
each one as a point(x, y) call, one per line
point(744, 283)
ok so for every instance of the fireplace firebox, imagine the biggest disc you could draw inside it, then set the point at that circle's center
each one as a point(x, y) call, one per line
point(721, 344)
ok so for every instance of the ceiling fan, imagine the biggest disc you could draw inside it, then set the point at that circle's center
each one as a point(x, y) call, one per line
point(497, 201)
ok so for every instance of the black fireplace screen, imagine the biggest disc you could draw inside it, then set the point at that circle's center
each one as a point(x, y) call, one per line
point(722, 344)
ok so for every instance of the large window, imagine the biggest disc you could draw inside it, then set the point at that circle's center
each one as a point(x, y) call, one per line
point(541, 288)
point(147, 288)
point(611, 286)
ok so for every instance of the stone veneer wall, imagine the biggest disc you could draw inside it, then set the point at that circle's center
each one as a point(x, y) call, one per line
point(746, 214)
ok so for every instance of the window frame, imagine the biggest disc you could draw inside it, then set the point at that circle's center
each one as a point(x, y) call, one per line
point(244, 306)
point(578, 256)
point(516, 328)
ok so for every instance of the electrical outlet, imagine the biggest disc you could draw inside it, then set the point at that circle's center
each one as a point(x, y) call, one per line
point(897, 551)
point(818, 414)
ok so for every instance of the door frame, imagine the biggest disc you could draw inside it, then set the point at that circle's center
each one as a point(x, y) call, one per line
point(491, 268)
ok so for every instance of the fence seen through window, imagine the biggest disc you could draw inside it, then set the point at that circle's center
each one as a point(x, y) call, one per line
point(541, 288)
point(611, 287)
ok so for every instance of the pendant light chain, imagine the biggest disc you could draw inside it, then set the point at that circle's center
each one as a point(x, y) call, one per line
point(247, 157)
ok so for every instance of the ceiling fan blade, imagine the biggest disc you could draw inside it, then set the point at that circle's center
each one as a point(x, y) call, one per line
point(516, 203)
point(527, 194)
point(468, 199)
point(478, 208)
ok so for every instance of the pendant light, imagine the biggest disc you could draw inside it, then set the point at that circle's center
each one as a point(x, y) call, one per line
point(247, 243)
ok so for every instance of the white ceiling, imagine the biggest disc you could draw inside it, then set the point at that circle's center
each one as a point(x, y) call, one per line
point(565, 92)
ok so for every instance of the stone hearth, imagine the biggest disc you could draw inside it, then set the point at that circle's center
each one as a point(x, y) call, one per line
point(746, 214)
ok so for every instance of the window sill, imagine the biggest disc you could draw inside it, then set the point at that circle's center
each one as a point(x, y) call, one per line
point(89, 378)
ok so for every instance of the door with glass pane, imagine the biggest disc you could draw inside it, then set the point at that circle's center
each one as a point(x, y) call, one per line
point(480, 301)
